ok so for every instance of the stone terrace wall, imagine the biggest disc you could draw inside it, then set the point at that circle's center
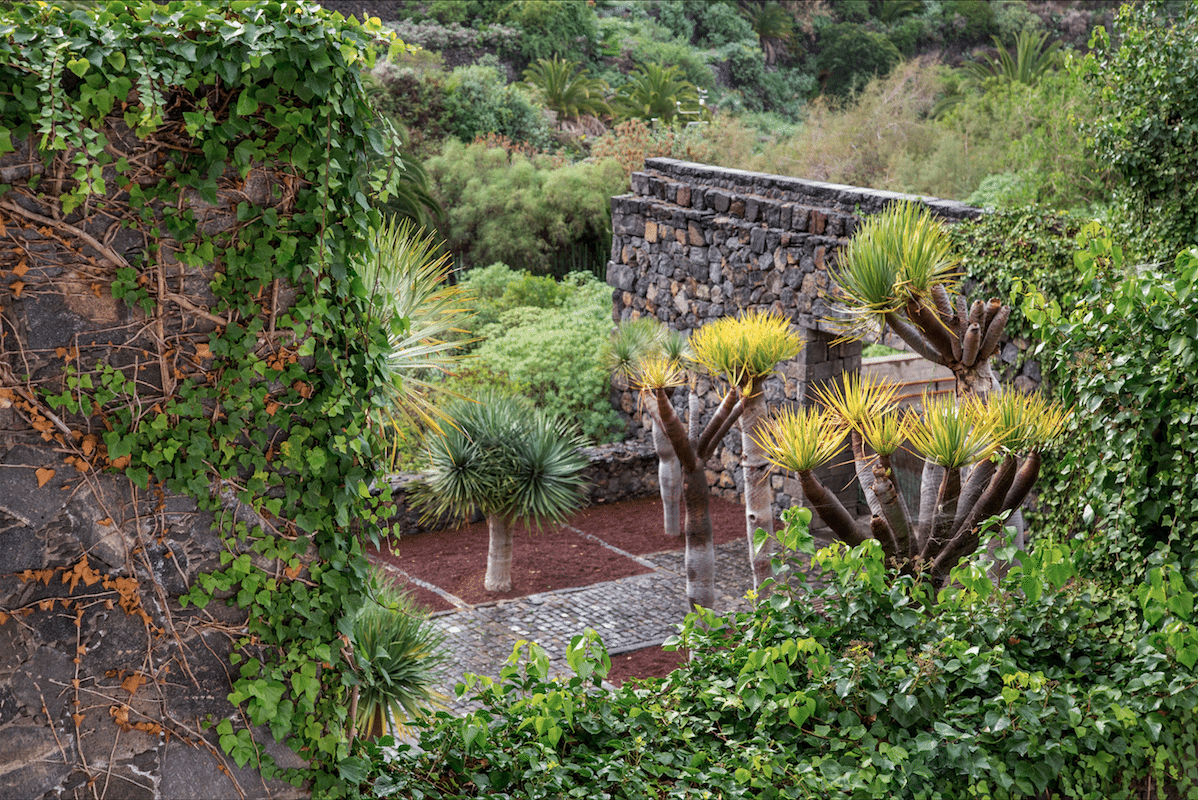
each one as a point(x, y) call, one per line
point(693, 243)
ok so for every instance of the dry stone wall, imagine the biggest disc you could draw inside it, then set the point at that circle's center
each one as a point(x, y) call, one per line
point(692, 243)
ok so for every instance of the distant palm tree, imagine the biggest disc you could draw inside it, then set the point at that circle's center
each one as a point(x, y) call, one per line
point(560, 86)
point(773, 25)
point(507, 459)
point(658, 92)
point(1034, 56)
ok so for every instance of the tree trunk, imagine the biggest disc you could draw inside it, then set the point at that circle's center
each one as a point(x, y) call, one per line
point(700, 543)
point(499, 554)
point(759, 496)
point(669, 478)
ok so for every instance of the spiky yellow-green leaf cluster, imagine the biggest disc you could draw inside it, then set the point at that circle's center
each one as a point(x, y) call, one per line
point(747, 349)
point(1025, 422)
point(952, 435)
point(801, 439)
point(893, 258)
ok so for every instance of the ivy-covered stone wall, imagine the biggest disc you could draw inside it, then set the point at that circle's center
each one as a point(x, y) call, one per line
point(186, 376)
point(693, 243)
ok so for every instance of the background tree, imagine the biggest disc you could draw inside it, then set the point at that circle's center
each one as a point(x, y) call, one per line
point(510, 461)
point(657, 92)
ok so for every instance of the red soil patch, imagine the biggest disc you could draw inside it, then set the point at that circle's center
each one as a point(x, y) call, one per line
point(650, 662)
point(552, 558)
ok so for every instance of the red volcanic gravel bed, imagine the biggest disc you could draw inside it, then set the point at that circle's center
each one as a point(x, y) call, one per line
point(635, 526)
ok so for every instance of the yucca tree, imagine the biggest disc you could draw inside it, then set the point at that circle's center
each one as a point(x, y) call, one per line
point(656, 91)
point(561, 86)
point(984, 459)
point(420, 314)
point(898, 271)
point(632, 342)
point(656, 377)
point(501, 455)
point(399, 658)
point(745, 351)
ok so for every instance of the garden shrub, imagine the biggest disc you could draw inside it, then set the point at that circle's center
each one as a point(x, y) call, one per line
point(479, 100)
point(554, 28)
point(1124, 353)
point(1045, 686)
point(550, 348)
point(719, 23)
point(850, 55)
point(506, 207)
point(969, 21)
point(1145, 88)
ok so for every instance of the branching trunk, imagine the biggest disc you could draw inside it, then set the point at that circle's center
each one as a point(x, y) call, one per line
point(669, 477)
point(929, 489)
point(499, 554)
point(759, 496)
point(894, 511)
point(831, 511)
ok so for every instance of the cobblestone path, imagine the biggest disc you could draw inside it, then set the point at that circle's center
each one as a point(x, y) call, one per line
point(628, 613)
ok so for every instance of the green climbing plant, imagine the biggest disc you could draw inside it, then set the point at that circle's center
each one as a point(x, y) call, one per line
point(274, 412)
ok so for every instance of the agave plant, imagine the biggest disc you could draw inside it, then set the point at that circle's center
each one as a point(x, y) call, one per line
point(399, 657)
point(962, 484)
point(561, 86)
point(508, 459)
point(745, 352)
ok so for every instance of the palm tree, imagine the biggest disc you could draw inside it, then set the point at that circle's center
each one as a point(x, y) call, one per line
point(1034, 56)
point(507, 459)
point(563, 89)
point(654, 91)
point(399, 655)
point(773, 25)
point(745, 352)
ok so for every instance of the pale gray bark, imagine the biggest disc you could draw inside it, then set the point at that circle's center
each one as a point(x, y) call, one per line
point(499, 554)
point(759, 495)
point(669, 477)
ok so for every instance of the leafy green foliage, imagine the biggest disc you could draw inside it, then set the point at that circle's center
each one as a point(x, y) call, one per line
point(1145, 86)
point(479, 101)
point(399, 656)
point(285, 432)
point(1034, 56)
point(851, 55)
point(569, 92)
point(549, 346)
point(505, 207)
point(1123, 351)
point(554, 29)
point(1044, 685)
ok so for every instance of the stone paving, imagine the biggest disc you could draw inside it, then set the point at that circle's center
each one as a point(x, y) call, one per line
point(629, 613)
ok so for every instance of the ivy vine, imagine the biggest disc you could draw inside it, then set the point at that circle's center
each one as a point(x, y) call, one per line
point(156, 117)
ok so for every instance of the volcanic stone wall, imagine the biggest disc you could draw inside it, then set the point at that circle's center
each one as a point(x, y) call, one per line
point(693, 243)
